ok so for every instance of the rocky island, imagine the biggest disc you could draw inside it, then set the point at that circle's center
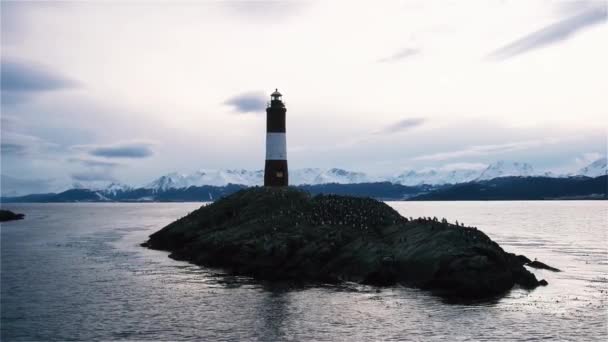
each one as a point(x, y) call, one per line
point(286, 234)
point(7, 215)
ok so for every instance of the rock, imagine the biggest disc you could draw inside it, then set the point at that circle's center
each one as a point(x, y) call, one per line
point(7, 215)
point(523, 259)
point(286, 234)
point(540, 265)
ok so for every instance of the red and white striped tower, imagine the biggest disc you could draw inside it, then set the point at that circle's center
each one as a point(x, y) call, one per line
point(275, 171)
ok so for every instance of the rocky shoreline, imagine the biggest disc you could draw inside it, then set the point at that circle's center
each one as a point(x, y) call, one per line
point(287, 234)
point(7, 215)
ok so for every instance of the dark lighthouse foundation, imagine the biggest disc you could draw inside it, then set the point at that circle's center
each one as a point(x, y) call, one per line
point(275, 170)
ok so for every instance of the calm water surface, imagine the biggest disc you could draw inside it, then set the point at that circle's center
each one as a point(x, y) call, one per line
point(76, 272)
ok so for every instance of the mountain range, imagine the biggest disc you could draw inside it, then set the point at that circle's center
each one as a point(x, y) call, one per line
point(205, 185)
point(316, 176)
point(309, 176)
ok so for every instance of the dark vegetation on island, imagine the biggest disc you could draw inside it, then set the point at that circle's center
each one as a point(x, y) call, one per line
point(288, 234)
point(507, 188)
point(7, 215)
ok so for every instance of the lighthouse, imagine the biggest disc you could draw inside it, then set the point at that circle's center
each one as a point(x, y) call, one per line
point(275, 170)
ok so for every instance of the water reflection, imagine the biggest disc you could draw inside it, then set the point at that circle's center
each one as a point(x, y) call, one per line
point(273, 310)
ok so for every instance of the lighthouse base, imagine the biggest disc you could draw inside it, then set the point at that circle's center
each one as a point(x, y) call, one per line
point(275, 173)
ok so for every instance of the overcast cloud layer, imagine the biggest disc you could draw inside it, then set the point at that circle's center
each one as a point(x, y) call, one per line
point(109, 91)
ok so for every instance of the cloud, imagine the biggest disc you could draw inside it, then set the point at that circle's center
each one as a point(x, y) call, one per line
point(405, 53)
point(576, 6)
point(553, 33)
point(248, 102)
point(14, 143)
point(265, 11)
point(94, 171)
point(15, 149)
point(19, 76)
point(94, 163)
point(401, 125)
point(482, 150)
point(92, 176)
point(8, 98)
point(19, 80)
point(124, 150)
point(463, 166)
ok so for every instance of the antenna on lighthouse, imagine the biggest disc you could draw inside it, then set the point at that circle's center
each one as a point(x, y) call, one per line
point(275, 170)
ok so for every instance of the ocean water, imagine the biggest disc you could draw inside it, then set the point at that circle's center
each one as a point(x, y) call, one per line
point(76, 272)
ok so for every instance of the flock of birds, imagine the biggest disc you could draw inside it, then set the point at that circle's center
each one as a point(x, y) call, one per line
point(350, 212)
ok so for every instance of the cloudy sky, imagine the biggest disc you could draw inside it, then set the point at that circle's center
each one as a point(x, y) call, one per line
point(127, 91)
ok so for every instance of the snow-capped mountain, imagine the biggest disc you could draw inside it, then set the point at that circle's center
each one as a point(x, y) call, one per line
point(102, 187)
point(506, 169)
point(323, 176)
point(314, 176)
point(595, 169)
point(440, 176)
point(435, 177)
point(114, 187)
point(11, 186)
point(251, 178)
point(207, 177)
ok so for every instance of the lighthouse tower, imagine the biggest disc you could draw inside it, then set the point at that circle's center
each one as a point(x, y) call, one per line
point(275, 170)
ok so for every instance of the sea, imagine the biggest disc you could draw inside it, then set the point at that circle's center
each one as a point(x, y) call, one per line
point(77, 272)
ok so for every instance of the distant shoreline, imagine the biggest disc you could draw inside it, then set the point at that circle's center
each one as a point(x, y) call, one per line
point(379, 199)
point(498, 189)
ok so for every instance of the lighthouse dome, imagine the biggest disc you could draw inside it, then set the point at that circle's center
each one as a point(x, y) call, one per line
point(276, 93)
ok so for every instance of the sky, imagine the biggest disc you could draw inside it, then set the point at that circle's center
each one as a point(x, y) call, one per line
point(100, 91)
